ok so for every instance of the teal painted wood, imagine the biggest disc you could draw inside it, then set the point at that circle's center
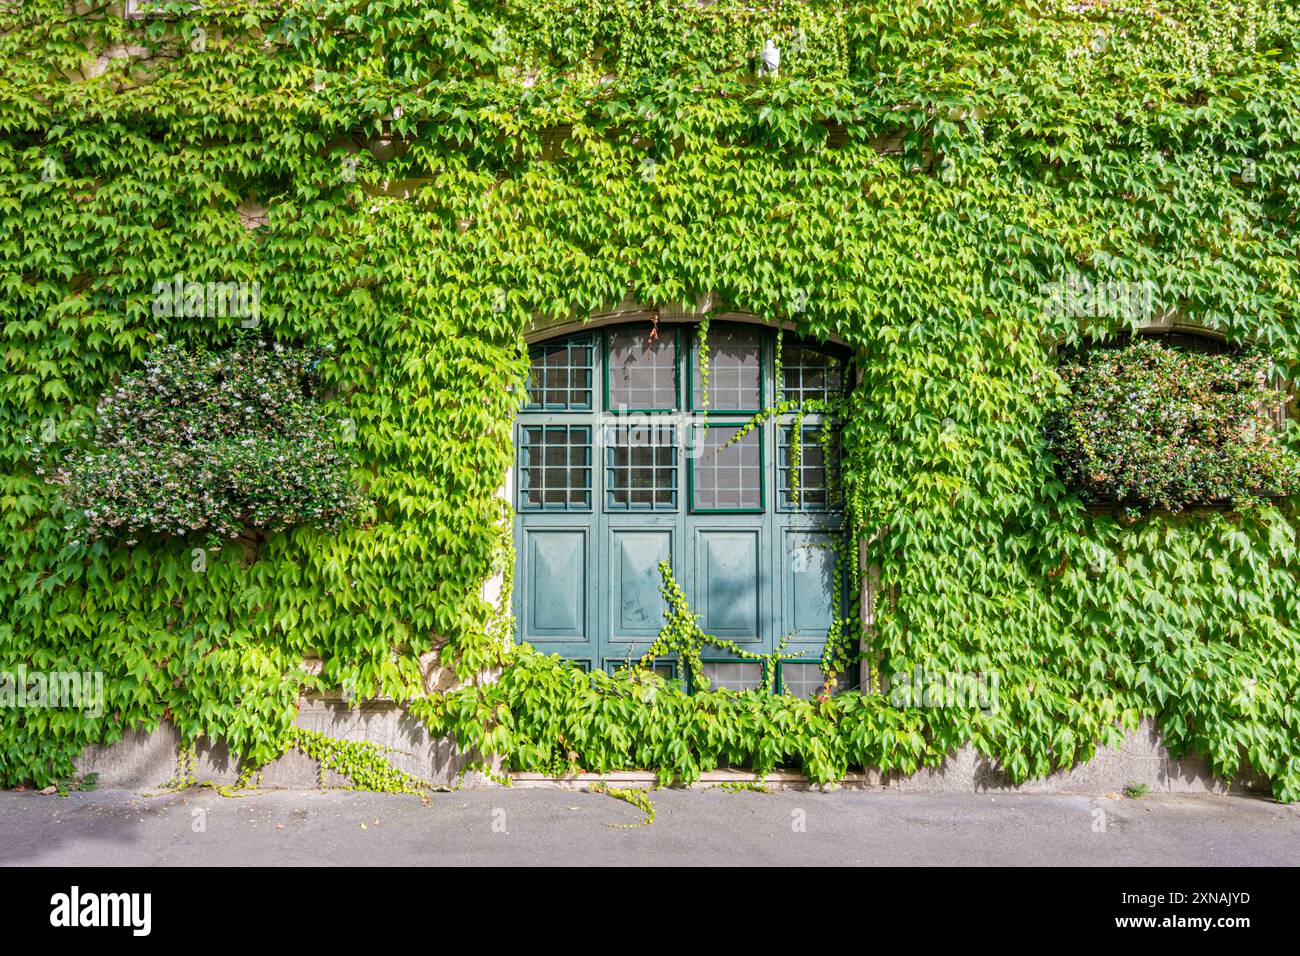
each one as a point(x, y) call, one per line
point(557, 580)
point(587, 556)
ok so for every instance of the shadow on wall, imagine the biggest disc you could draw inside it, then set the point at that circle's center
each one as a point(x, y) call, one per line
point(146, 760)
point(143, 760)
point(1142, 758)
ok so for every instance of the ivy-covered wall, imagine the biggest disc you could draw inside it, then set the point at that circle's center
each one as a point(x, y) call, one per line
point(412, 184)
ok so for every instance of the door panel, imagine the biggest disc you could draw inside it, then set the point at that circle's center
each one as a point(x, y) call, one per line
point(808, 570)
point(636, 608)
point(555, 567)
point(728, 586)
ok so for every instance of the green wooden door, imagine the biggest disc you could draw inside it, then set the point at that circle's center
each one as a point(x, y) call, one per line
point(623, 463)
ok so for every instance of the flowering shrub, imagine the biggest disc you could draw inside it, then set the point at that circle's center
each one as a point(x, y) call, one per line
point(219, 442)
point(1148, 426)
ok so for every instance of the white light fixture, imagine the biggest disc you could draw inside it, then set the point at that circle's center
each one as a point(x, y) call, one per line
point(769, 61)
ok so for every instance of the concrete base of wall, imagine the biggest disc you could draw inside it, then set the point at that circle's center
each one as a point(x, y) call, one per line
point(146, 760)
point(1141, 758)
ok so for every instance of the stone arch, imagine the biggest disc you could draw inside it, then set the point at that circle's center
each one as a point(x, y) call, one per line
point(631, 310)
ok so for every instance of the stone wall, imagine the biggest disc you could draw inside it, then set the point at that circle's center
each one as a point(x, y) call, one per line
point(142, 761)
point(1141, 758)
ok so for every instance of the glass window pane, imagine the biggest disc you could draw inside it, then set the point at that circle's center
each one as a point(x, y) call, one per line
point(665, 669)
point(735, 359)
point(555, 468)
point(733, 675)
point(643, 369)
point(818, 487)
point(641, 467)
point(809, 374)
point(560, 375)
point(727, 469)
point(805, 679)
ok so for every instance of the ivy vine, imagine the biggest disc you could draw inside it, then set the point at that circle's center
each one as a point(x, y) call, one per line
point(416, 187)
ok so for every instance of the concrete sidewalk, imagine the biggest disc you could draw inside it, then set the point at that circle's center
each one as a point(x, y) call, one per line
point(549, 826)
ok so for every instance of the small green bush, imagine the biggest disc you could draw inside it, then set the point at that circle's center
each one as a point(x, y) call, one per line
point(217, 442)
point(1147, 426)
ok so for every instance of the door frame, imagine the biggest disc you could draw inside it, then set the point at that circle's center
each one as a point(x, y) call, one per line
point(682, 525)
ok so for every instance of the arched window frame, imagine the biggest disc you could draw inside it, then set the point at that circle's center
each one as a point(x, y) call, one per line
point(687, 418)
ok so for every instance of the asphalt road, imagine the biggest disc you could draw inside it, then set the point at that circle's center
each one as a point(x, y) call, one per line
point(547, 826)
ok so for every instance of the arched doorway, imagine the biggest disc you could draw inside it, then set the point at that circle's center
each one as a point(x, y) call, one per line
point(629, 454)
